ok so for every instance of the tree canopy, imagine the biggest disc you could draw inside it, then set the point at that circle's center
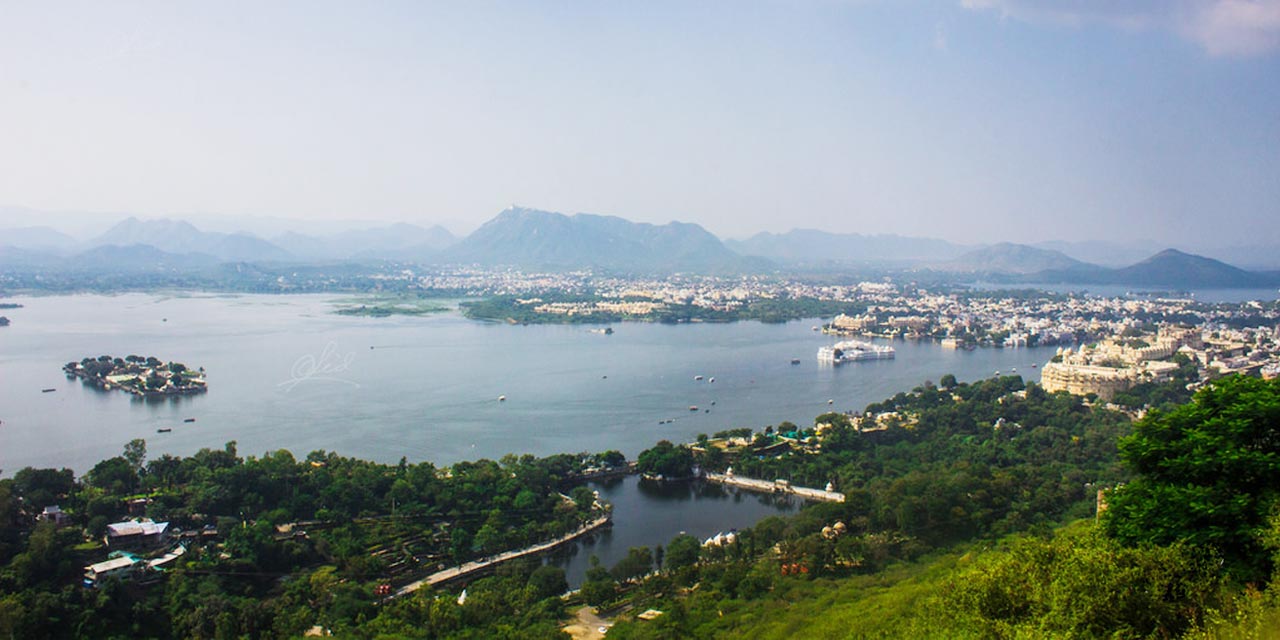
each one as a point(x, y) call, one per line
point(1208, 473)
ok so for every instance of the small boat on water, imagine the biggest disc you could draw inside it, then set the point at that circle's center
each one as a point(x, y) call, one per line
point(47, 390)
point(711, 379)
point(1033, 365)
point(502, 398)
point(166, 430)
point(693, 407)
point(795, 361)
point(697, 378)
point(189, 420)
point(831, 402)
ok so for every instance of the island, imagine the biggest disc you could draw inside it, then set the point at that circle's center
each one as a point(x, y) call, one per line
point(390, 305)
point(145, 376)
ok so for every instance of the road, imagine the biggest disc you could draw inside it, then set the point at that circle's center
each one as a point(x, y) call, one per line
point(474, 566)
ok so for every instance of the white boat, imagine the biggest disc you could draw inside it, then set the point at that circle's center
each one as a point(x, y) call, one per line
point(697, 377)
point(854, 351)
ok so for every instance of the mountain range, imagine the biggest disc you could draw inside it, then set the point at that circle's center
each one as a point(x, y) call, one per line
point(532, 238)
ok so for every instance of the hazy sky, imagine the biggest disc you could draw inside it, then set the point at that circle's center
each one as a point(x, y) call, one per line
point(974, 120)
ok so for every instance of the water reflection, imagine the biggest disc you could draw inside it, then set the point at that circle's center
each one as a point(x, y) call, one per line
point(647, 513)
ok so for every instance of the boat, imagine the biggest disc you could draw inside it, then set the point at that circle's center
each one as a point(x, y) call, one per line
point(697, 378)
point(47, 390)
point(189, 420)
point(795, 361)
point(1033, 365)
point(693, 407)
point(502, 398)
point(711, 379)
point(854, 351)
point(165, 430)
point(831, 402)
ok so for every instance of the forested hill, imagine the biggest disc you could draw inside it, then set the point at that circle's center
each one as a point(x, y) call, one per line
point(1187, 547)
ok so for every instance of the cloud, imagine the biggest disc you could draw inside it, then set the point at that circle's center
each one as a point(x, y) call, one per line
point(1221, 27)
point(1236, 27)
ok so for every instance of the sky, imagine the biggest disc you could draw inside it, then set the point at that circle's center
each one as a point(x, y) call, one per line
point(970, 120)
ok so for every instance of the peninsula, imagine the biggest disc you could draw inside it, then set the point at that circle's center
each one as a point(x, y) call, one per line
point(142, 376)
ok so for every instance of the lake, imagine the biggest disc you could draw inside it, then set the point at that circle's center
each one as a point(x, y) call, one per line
point(286, 373)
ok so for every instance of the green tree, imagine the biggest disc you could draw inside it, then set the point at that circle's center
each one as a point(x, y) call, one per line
point(682, 552)
point(666, 459)
point(1208, 473)
point(136, 453)
point(638, 561)
point(548, 581)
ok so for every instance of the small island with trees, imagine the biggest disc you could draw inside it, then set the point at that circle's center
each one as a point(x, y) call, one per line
point(143, 376)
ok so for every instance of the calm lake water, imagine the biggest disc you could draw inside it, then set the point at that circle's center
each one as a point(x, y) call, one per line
point(286, 373)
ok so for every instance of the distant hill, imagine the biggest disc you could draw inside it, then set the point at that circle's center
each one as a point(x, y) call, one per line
point(1172, 267)
point(530, 237)
point(12, 257)
point(400, 241)
point(181, 237)
point(1168, 268)
point(36, 238)
point(1007, 257)
point(136, 258)
point(1103, 252)
point(811, 246)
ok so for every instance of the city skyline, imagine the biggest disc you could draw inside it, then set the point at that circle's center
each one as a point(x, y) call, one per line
point(974, 121)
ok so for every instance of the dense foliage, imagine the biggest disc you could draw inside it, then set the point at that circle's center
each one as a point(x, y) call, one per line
point(277, 545)
point(988, 458)
point(1208, 473)
point(1154, 569)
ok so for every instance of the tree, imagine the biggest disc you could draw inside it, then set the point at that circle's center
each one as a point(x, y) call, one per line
point(136, 453)
point(548, 581)
point(116, 476)
point(947, 381)
point(599, 586)
point(1208, 473)
point(40, 488)
point(667, 460)
point(682, 552)
point(638, 561)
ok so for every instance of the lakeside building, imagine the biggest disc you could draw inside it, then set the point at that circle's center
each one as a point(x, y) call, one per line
point(119, 565)
point(136, 533)
point(126, 566)
point(1118, 364)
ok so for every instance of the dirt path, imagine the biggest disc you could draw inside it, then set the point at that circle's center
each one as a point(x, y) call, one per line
point(586, 625)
